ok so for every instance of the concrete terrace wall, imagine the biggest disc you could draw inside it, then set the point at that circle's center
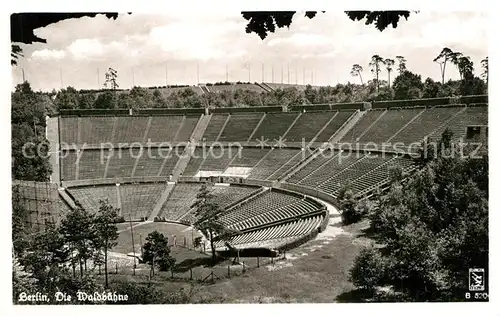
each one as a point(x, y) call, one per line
point(95, 112)
point(431, 102)
point(184, 111)
point(247, 109)
point(327, 107)
point(52, 133)
point(311, 192)
point(468, 100)
point(109, 181)
point(286, 188)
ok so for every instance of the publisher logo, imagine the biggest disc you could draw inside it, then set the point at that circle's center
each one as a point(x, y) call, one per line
point(476, 279)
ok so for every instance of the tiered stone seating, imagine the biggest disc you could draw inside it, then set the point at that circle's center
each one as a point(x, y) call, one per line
point(361, 125)
point(138, 200)
point(226, 195)
point(430, 120)
point(391, 122)
point(68, 127)
point(92, 164)
point(291, 210)
point(194, 162)
point(169, 165)
point(326, 173)
point(68, 165)
point(240, 127)
point(149, 164)
point(214, 127)
point(307, 126)
point(217, 158)
point(312, 166)
point(275, 159)
point(354, 171)
point(380, 175)
point(130, 129)
point(274, 126)
point(180, 201)
point(275, 236)
point(121, 162)
point(236, 87)
point(471, 116)
point(267, 201)
point(96, 130)
point(332, 167)
point(281, 171)
point(249, 157)
point(334, 125)
point(163, 128)
point(184, 134)
point(89, 197)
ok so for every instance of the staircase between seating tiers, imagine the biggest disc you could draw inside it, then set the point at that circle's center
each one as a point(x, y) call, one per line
point(204, 89)
point(183, 161)
point(265, 87)
point(163, 198)
point(294, 169)
point(347, 126)
point(64, 195)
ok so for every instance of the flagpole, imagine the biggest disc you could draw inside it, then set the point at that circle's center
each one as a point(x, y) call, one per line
point(133, 244)
point(288, 73)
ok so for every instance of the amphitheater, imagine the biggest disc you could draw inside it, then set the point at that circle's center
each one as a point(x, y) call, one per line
point(272, 169)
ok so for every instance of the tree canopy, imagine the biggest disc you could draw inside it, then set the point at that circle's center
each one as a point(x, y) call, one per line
point(22, 25)
point(157, 252)
point(264, 22)
point(30, 148)
point(208, 214)
point(429, 229)
point(42, 261)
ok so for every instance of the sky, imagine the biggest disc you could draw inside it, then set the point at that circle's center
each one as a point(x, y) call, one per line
point(172, 48)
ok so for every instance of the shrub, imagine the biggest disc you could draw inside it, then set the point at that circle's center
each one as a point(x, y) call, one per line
point(351, 211)
point(369, 269)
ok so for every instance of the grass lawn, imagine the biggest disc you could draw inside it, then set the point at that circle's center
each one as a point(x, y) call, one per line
point(142, 230)
point(315, 272)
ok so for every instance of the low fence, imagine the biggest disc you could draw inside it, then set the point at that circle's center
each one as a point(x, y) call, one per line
point(196, 270)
